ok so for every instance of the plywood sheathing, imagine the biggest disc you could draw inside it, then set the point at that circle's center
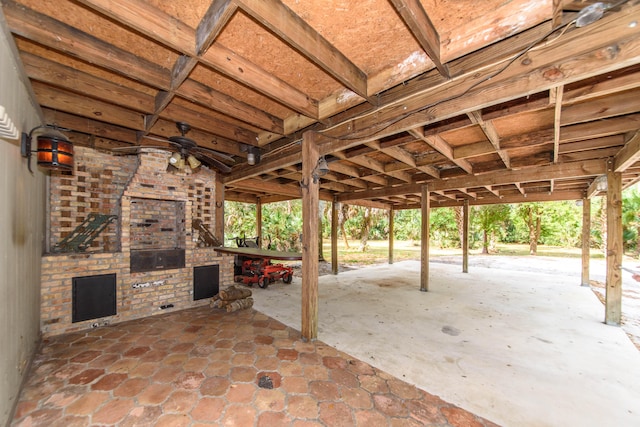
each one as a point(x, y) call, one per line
point(77, 16)
point(54, 56)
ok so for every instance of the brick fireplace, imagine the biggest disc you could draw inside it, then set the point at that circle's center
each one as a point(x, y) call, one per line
point(154, 210)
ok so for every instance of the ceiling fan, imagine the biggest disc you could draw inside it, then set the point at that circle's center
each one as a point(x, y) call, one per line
point(187, 152)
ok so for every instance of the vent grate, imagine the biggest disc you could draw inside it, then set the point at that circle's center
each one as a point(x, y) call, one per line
point(7, 128)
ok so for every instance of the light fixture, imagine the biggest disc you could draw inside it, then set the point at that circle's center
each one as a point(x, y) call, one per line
point(193, 162)
point(590, 14)
point(601, 183)
point(176, 161)
point(54, 150)
point(321, 169)
point(253, 155)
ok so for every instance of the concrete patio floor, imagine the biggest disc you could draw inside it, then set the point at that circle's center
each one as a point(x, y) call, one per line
point(518, 347)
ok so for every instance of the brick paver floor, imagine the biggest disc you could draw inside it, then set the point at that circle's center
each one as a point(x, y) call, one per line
point(204, 366)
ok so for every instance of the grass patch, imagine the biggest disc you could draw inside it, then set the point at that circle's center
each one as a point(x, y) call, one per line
point(378, 251)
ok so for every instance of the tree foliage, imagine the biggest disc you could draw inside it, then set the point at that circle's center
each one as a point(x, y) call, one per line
point(490, 220)
point(548, 223)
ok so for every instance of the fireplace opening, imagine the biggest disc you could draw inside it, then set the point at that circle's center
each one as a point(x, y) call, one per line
point(206, 281)
point(158, 235)
point(93, 297)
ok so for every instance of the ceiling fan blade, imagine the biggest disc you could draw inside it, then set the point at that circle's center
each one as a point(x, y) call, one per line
point(209, 151)
point(215, 164)
point(136, 148)
point(156, 138)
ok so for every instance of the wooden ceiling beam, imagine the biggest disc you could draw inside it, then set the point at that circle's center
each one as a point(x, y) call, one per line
point(178, 113)
point(404, 157)
point(591, 144)
point(56, 35)
point(491, 190)
point(247, 73)
point(615, 84)
point(466, 192)
point(183, 39)
point(90, 126)
point(148, 20)
point(556, 99)
point(491, 133)
point(629, 154)
point(567, 170)
point(377, 166)
point(600, 128)
point(268, 187)
point(69, 102)
point(545, 67)
point(288, 26)
point(418, 22)
point(443, 147)
point(617, 104)
point(519, 198)
point(214, 20)
point(56, 74)
point(227, 105)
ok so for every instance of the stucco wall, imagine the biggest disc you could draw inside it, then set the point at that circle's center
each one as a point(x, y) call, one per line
point(22, 213)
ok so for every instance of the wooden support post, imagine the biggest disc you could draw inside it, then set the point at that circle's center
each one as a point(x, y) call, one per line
point(259, 222)
point(424, 253)
point(334, 236)
point(391, 218)
point(310, 200)
point(613, 294)
point(465, 236)
point(586, 239)
point(219, 203)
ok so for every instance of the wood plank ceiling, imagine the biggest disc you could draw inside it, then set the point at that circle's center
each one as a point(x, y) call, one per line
point(492, 101)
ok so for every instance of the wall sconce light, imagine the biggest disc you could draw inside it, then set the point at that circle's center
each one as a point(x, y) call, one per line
point(321, 169)
point(54, 150)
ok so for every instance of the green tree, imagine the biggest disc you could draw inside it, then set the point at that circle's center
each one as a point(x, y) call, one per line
point(631, 218)
point(407, 224)
point(365, 222)
point(531, 213)
point(239, 221)
point(489, 219)
point(444, 227)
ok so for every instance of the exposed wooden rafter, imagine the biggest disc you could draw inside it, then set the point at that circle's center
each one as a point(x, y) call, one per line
point(422, 29)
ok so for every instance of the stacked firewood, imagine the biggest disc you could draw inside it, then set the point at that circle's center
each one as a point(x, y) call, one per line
point(232, 299)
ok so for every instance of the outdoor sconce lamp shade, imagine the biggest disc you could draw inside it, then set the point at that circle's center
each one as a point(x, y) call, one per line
point(54, 150)
point(321, 169)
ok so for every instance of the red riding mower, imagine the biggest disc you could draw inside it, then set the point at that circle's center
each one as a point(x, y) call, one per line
point(259, 268)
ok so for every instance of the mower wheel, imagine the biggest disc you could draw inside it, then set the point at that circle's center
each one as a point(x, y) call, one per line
point(262, 282)
point(287, 277)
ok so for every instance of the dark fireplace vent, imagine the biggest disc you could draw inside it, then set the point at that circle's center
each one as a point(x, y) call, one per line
point(156, 259)
point(93, 297)
point(206, 281)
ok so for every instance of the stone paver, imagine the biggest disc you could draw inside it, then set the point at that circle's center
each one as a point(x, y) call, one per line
point(208, 367)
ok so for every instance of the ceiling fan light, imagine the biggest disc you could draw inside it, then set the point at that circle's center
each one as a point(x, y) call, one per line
point(174, 159)
point(193, 162)
point(181, 164)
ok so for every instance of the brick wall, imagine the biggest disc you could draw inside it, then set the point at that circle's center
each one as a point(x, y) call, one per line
point(173, 199)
